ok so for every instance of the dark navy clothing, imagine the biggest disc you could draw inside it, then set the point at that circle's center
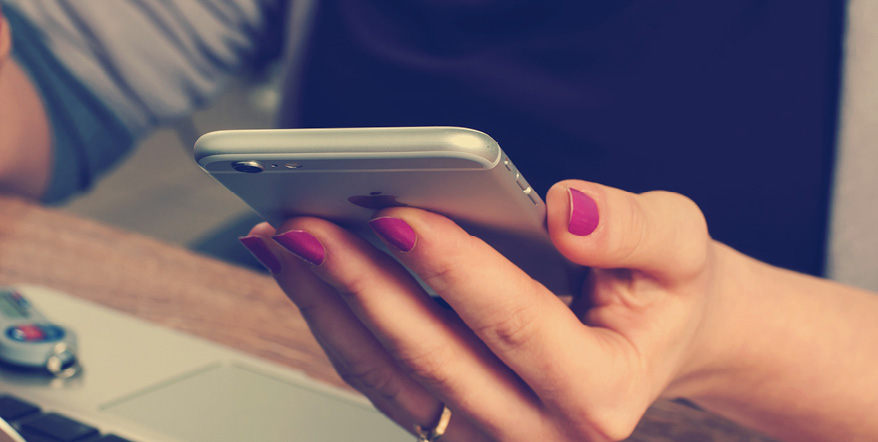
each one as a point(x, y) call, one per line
point(730, 103)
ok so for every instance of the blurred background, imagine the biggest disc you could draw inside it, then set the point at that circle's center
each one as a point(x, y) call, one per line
point(161, 192)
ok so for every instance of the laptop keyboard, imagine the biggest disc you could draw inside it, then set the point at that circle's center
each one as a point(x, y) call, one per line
point(37, 426)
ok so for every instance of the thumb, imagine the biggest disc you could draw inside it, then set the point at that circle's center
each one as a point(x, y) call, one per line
point(663, 234)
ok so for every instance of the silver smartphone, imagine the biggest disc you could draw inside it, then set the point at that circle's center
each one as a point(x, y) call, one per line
point(346, 175)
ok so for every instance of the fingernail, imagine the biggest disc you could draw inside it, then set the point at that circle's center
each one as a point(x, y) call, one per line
point(583, 213)
point(302, 244)
point(395, 231)
point(261, 252)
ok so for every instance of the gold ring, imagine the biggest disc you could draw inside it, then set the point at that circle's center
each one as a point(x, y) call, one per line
point(433, 434)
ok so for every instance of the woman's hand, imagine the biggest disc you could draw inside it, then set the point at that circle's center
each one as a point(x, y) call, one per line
point(512, 361)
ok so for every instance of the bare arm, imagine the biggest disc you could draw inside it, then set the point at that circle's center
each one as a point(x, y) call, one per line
point(113, 89)
point(25, 154)
point(799, 356)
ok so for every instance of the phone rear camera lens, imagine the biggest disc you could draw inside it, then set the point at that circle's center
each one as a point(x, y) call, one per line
point(248, 166)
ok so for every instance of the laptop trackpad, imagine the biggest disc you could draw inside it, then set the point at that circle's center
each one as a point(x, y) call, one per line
point(235, 402)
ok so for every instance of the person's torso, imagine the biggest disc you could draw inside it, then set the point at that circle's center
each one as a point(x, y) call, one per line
point(732, 104)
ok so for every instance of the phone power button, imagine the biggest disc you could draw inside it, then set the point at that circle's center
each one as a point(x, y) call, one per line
point(522, 184)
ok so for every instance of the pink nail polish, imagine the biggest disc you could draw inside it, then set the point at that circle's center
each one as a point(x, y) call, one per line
point(396, 232)
point(261, 252)
point(302, 244)
point(583, 213)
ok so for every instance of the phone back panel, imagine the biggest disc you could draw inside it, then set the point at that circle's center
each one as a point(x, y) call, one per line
point(346, 175)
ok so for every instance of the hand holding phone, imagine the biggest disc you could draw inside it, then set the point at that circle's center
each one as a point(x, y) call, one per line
point(346, 175)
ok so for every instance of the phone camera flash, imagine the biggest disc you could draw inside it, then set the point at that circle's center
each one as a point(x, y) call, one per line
point(293, 165)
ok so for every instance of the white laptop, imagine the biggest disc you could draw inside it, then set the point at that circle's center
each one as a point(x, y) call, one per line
point(143, 382)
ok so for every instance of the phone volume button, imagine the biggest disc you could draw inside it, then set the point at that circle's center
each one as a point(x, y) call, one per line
point(532, 195)
point(522, 184)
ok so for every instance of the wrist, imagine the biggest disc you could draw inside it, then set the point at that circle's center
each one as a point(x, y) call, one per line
point(787, 354)
point(714, 351)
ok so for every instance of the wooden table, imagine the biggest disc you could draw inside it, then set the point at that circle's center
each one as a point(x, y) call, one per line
point(172, 286)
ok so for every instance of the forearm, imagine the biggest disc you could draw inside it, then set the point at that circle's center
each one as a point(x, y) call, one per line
point(25, 153)
point(797, 356)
